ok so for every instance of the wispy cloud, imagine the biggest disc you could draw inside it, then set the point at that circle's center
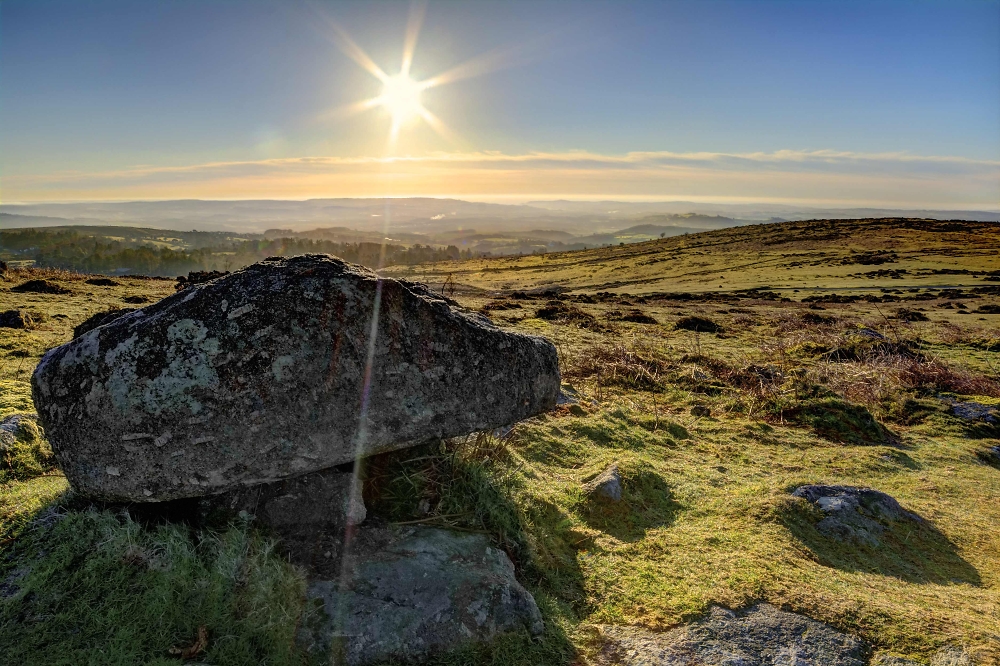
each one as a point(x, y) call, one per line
point(805, 175)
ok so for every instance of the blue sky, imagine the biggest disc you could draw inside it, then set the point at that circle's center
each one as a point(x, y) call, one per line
point(853, 102)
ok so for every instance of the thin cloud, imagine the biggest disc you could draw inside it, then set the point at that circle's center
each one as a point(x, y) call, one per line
point(827, 174)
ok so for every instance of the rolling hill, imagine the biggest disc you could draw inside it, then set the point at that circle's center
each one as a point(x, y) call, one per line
point(815, 255)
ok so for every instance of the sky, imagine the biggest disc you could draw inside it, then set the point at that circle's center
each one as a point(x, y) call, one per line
point(809, 102)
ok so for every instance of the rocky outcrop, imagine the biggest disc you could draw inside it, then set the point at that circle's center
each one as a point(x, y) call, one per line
point(273, 372)
point(852, 514)
point(759, 636)
point(406, 593)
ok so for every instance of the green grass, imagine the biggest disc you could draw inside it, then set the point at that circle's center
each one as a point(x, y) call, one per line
point(706, 516)
point(810, 257)
point(94, 587)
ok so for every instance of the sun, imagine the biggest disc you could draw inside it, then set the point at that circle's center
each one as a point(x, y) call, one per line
point(401, 98)
point(401, 94)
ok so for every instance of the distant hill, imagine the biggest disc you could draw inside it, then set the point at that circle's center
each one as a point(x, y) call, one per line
point(426, 215)
point(866, 254)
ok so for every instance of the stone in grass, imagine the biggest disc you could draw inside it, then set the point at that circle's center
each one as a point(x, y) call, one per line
point(759, 636)
point(858, 515)
point(263, 374)
point(607, 485)
point(970, 410)
point(410, 592)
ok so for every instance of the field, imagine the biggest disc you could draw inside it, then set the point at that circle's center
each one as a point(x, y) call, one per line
point(719, 371)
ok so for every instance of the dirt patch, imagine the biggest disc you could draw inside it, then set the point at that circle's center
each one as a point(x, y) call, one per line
point(905, 314)
point(15, 319)
point(635, 315)
point(40, 287)
point(699, 324)
point(567, 313)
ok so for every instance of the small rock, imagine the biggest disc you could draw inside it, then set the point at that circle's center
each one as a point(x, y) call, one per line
point(701, 411)
point(607, 485)
point(17, 424)
point(567, 396)
point(990, 455)
point(869, 333)
point(15, 319)
point(407, 593)
point(970, 410)
point(759, 636)
point(854, 514)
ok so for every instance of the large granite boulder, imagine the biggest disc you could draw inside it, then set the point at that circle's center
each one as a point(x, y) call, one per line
point(408, 592)
point(286, 367)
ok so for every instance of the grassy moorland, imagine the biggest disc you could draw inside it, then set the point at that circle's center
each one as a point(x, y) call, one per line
point(853, 386)
point(795, 259)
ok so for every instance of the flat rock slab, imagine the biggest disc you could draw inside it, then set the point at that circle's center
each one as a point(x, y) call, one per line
point(264, 374)
point(854, 514)
point(760, 636)
point(410, 592)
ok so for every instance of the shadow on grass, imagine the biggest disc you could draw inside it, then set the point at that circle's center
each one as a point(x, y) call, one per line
point(911, 550)
point(839, 421)
point(647, 503)
point(90, 581)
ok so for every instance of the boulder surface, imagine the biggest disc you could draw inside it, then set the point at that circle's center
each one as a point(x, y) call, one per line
point(273, 372)
point(409, 592)
point(759, 636)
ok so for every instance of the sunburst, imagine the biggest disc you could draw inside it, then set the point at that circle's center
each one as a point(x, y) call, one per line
point(401, 94)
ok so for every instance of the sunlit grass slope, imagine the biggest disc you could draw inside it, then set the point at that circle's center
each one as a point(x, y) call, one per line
point(811, 255)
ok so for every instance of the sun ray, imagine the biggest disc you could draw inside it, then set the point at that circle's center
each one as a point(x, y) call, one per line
point(350, 48)
point(435, 124)
point(348, 110)
point(416, 19)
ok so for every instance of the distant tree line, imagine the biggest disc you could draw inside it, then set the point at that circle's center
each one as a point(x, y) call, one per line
point(71, 251)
